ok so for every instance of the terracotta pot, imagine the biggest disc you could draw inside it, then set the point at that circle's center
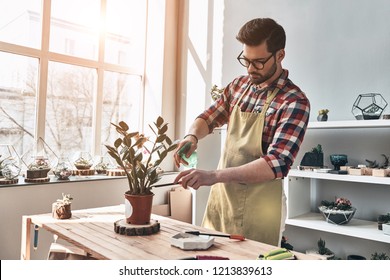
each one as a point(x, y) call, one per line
point(138, 209)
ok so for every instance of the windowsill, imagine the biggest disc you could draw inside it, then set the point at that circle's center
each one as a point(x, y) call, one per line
point(54, 180)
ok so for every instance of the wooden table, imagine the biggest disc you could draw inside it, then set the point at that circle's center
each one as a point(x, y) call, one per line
point(93, 231)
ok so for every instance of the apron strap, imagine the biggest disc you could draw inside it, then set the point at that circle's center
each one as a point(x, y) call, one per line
point(270, 97)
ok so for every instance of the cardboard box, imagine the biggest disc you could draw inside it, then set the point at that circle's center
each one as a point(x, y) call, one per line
point(381, 172)
point(162, 210)
point(179, 206)
point(180, 201)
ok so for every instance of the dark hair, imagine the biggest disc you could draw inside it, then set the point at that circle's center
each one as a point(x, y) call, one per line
point(256, 31)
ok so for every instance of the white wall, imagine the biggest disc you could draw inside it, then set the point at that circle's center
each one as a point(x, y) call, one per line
point(335, 49)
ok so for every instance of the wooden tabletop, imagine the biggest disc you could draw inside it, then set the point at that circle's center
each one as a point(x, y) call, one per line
point(93, 231)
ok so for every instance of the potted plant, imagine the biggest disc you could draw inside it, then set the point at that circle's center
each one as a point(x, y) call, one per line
point(322, 250)
point(337, 212)
point(61, 209)
point(314, 158)
point(322, 115)
point(383, 219)
point(379, 256)
point(140, 156)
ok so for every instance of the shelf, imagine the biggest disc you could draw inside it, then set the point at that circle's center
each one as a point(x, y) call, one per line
point(339, 177)
point(350, 124)
point(355, 228)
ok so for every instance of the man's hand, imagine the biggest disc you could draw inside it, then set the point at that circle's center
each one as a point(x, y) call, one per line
point(195, 178)
point(189, 150)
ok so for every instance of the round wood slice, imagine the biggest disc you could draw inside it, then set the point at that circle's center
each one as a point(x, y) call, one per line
point(37, 180)
point(116, 172)
point(83, 172)
point(124, 228)
point(8, 182)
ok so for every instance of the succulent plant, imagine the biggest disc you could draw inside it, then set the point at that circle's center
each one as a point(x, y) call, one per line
point(66, 200)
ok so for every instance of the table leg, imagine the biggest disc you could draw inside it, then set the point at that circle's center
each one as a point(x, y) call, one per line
point(26, 238)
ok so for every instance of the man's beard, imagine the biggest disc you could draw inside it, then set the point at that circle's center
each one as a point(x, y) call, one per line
point(258, 79)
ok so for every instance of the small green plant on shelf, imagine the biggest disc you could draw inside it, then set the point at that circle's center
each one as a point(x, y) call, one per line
point(383, 219)
point(379, 256)
point(285, 244)
point(322, 249)
point(317, 149)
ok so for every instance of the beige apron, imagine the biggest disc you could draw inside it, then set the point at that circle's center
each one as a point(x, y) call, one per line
point(252, 210)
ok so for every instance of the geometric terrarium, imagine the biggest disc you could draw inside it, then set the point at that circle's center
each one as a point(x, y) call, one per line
point(10, 165)
point(83, 161)
point(38, 167)
point(63, 170)
point(368, 106)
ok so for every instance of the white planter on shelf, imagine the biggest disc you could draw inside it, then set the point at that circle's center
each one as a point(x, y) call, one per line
point(386, 228)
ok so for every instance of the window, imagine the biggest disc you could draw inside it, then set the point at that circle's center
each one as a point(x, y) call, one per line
point(69, 68)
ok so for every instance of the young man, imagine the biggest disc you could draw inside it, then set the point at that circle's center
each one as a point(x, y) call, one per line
point(267, 116)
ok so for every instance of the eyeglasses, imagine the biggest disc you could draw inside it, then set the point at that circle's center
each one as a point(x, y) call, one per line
point(257, 63)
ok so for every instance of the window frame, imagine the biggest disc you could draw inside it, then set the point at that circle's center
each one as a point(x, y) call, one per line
point(44, 55)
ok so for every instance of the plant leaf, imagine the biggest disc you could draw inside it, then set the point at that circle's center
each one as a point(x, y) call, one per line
point(161, 138)
point(124, 125)
point(118, 142)
point(159, 121)
point(163, 129)
point(168, 140)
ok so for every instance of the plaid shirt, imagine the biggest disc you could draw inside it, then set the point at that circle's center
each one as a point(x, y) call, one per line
point(286, 118)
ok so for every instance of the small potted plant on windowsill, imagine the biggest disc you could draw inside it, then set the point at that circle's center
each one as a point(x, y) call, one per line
point(140, 156)
point(337, 212)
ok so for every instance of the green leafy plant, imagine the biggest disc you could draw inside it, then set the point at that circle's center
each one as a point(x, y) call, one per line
point(216, 92)
point(140, 156)
point(322, 249)
point(323, 112)
point(317, 149)
point(384, 218)
point(379, 256)
point(340, 203)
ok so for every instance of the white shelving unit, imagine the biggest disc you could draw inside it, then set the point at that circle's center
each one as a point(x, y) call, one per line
point(350, 124)
point(301, 191)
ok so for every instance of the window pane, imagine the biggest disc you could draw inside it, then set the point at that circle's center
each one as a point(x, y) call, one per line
point(125, 37)
point(70, 96)
point(18, 88)
point(20, 22)
point(74, 28)
point(121, 102)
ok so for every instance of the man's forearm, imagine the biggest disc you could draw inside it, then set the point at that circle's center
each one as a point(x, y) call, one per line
point(257, 171)
point(199, 128)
